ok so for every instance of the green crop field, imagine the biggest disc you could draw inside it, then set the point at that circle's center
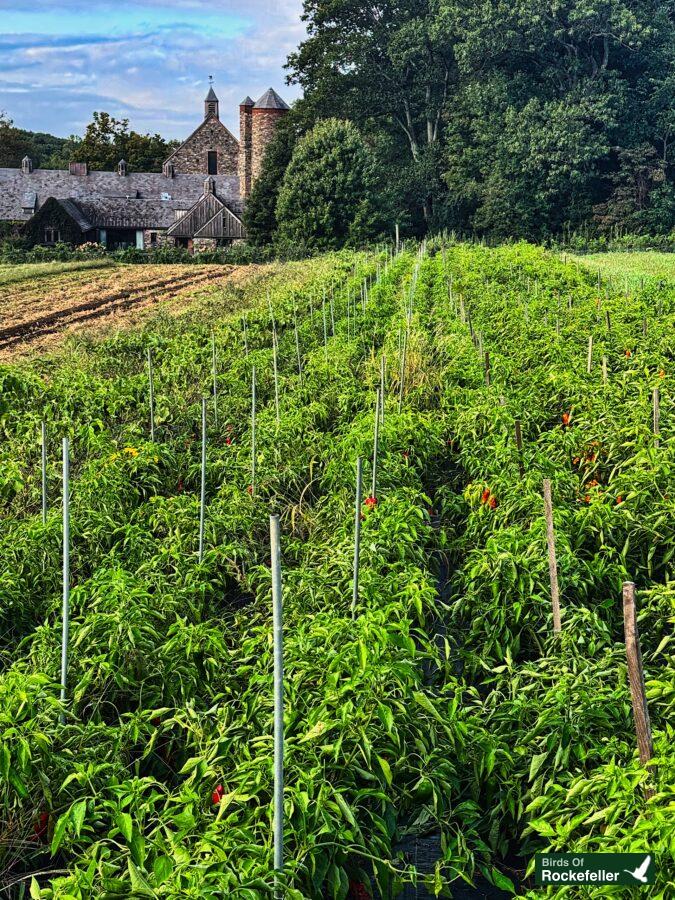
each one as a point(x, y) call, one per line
point(431, 698)
point(631, 267)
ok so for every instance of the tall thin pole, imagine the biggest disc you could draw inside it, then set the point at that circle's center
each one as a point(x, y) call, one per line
point(202, 491)
point(325, 330)
point(214, 362)
point(589, 361)
point(636, 678)
point(297, 347)
point(383, 378)
point(402, 379)
point(44, 472)
point(332, 312)
point(656, 408)
point(253, 448)
point(376, 438)
point(245, 337)
point(276, 372)
point(66, 577)
point(357, 534)
point(552, 559)
point(277, 624)
point(151, 397)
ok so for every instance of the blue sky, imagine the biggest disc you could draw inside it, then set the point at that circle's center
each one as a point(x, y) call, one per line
point(147, 61)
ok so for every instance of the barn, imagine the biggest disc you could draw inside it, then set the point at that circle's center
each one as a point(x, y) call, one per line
point(196, 201)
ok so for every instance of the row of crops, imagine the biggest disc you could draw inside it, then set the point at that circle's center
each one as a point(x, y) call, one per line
point(440, 702)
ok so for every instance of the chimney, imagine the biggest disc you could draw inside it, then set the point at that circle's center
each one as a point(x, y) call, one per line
point(26, 165)
point(245, 147)
point(122, 168)
point(168, 170)
point(267, 112)
point(210, 185)
point(78, 168)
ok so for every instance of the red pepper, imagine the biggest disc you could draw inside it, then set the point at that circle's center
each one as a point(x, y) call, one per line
point(371, 502)
point(566, 419)
point(217, 795)
point(358, 891)
point(485, 496)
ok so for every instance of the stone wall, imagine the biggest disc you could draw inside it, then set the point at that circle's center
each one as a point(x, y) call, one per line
point(202, 244)
point(245, 150)
point(265, 122)
point(191, 157)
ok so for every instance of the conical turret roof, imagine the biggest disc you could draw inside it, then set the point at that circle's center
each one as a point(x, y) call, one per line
point(271, 100)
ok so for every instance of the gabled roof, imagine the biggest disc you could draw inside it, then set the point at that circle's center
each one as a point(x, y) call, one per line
point(271, 100)
point(209, 121)
point(76, 215)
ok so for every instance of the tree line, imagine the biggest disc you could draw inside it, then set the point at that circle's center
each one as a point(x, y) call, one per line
point(524, 119)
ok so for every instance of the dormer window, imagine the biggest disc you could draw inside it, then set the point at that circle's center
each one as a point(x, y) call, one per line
point(26, 165)
point(212, 162)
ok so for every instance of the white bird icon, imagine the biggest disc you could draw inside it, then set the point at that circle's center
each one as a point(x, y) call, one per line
point(640, 874)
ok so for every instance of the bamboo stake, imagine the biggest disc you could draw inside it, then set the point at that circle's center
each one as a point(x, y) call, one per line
point(357, 534)
point(277, 627)
point(487, 368)
point(44, 472)
point(325, 330)
point(297, 347)
point(589, 361)
point(604, 369)
point(656, 405)
point(66, 578)
point(151, 397)
point(552, 559)
point(253, 435)
point(202, 489)
point(636, 678)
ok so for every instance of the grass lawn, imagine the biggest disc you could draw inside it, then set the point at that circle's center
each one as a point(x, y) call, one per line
point(632, 266)
point(12, 274)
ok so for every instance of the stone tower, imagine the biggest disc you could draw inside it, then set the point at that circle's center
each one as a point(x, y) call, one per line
point(265, 117)
point(245, 147)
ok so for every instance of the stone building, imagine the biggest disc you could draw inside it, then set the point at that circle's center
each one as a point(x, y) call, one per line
point(196, 201)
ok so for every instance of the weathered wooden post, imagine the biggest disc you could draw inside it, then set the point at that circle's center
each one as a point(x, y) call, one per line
point(277, 627)
point(44, 472)
point(357, 534)
point(202, 485)
point(656, 411)
point(151, 397)
point(552, 559)
point(604, 369)
point(487, 367)
point(66, 578)
point(636, 678)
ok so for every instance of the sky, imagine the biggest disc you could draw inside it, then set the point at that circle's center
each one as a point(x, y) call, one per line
point(147, 61)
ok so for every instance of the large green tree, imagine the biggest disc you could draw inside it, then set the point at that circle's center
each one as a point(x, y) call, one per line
point(107, 140)
point(327, 194)
point(514, 118)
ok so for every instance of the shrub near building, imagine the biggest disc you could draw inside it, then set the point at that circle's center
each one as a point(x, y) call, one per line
point(325, 199)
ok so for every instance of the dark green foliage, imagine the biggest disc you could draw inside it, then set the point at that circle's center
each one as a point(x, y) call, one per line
point(52, 214)
point(15, 143)
point(513, 119)
point(326, 198)
point(107, 140)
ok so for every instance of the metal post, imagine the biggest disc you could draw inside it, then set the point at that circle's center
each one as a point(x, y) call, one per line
point(383, 379)
point(66, 577)
point(253, 449)
point(297, 347)
point(44, 472)
point(202, 492)
point(402, 378)
point(277, 624)
point(276, 371)
point(332, 311)
point(357, 534)
point(376, 438)
point(656, 404)
point(215, 378)
point(325, 331)
point(151, 397)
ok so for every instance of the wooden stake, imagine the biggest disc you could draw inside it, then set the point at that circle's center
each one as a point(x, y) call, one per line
point(487, 368)
point(636, 678)
point(552, 559)
point(604, 369)
point(656, 404)
point(589, 363)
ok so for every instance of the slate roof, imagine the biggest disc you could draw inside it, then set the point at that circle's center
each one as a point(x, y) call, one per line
point(247, 101)
point(75, 213)
point(271, 100)
point(107, 196)
point(211, 95)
